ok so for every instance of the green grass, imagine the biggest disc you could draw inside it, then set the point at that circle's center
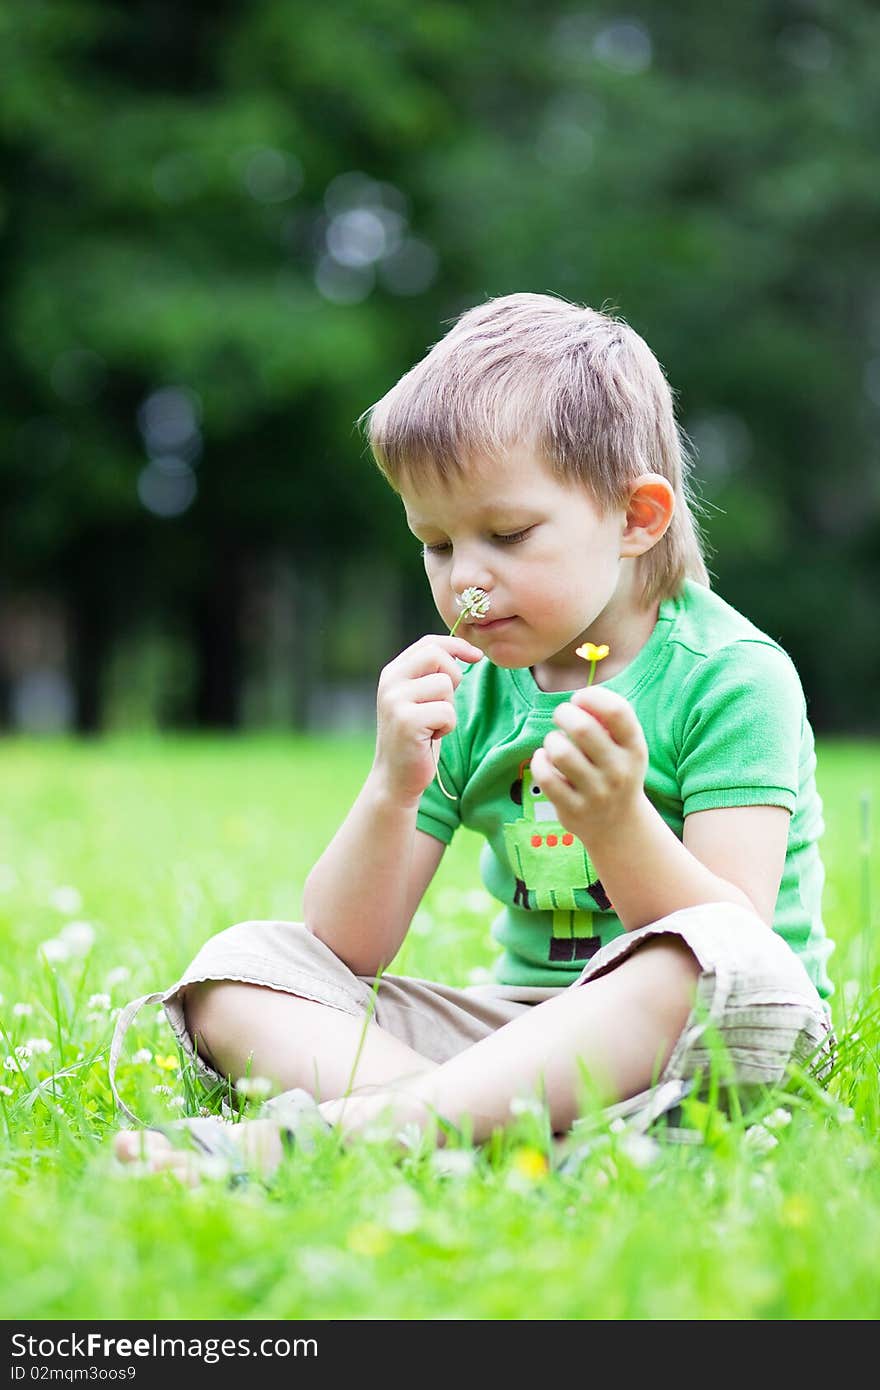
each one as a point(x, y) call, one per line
point(158, 844)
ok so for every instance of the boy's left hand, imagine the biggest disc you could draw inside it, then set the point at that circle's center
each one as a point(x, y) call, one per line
point(593, 771)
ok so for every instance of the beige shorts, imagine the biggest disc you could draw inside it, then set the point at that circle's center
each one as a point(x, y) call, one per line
point(755, 1007)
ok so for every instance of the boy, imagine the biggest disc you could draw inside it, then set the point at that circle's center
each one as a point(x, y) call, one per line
point(652, 837)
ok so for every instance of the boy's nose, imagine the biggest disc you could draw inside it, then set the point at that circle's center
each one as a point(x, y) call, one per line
point(468, 573)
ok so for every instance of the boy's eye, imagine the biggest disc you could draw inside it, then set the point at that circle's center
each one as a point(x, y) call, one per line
point(503, 538)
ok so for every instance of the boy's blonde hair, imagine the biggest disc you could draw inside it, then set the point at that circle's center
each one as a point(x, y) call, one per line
point(579, 387)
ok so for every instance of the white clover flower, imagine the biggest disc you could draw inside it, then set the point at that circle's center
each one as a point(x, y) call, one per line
point(54, 949)
point(526, 1105)
point(22, 1010)
point(403, 1210)
point(640, 1149)
point(474, 602)
point(409, 1136)
point(453, 1163)
point(98, 1001)
point(479, 976)
point(851, 992)
point(23, 1053)
point(118, 975)
point(178, 1102)
point(10, 1064)
point(142, 1056)
point(254, 1087)
point(38, 1044)
point(777, 1119)
point(67, 899)
point(162, 1090)
point(760, 1139)
point(6, 1091)
point(78, 937)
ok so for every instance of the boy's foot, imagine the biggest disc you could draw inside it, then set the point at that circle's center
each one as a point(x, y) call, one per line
point(210, 1147)
point(229, 1151)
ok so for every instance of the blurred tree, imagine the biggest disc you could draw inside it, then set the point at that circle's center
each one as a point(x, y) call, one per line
point(226, 232)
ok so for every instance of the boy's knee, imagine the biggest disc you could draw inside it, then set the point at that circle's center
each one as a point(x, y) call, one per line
point(213, 1009)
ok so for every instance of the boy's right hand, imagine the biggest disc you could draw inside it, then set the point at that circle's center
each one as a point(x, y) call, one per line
point(414, 705)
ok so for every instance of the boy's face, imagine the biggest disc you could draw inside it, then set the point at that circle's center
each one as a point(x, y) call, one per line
point(545, 554)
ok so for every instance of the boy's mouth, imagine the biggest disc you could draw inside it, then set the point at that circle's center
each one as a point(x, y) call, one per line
point(487, 624)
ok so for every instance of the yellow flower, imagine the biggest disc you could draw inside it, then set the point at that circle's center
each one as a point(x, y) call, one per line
point(530, 1163)
point(368, 1239)
point(168, 1063)
point(589, 652)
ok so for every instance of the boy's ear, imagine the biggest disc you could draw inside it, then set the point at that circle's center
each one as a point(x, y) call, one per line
point(649, 511)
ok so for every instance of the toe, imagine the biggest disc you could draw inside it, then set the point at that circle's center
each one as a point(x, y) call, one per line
point(139, 1145)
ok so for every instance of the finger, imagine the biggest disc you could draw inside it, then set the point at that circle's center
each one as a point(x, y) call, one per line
point(568, 760)
point(552, 782)
point(432, 654)
point(612, 711)
point(423, 689)
point(434, 717)
point(585, 731)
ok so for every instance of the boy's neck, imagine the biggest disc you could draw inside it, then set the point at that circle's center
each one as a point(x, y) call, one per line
point(625, 639)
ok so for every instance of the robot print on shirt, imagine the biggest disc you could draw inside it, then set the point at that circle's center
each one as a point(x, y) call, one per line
point(549, 865)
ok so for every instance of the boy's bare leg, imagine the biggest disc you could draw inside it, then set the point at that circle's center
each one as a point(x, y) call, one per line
point(249, 1030)
point(619, 1029)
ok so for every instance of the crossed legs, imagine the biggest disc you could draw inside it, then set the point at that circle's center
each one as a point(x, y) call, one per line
point(618, 1030)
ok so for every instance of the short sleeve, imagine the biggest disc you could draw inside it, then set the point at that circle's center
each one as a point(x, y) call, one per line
point(741, 725)
point(437, 814)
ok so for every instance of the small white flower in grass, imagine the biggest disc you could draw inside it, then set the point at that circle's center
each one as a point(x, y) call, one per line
point(23, 1054)
point(852, 989)
point(22, 1010)
point(640, 1149)
point(479, 976)
point(409, 1136)
point(54, 950)
point(254, 1087)
point(453, 1163)
point(10, 1064)
point(78, 937)
point(6, 1091)
point(162, 1090)
point(98, 1001)
point(777, 1119)
point(477, 901)
point(67, 899)
point(178, 1102)
point(403, 1210)
point(142, 1057)
point(38, 1045)
point(759, 1139)
point(118, 975)
point(526, 1105)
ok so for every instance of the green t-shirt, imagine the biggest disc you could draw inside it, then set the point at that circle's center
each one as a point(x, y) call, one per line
point(724, 716)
